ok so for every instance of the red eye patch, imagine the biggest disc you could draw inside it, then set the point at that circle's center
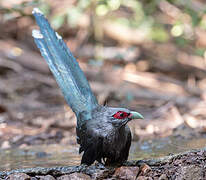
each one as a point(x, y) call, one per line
point(120, 115)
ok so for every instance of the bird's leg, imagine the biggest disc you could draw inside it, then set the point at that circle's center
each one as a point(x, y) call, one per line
point(99, 160)
point(100, 163)
point(104, 160)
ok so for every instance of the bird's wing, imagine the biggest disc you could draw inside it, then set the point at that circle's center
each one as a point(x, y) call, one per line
point(64, 67)
point(91, 142)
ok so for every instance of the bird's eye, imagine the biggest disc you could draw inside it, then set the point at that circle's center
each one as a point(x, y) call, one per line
point(120, 115)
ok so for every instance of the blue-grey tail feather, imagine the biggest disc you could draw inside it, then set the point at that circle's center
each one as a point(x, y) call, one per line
point(64, 67)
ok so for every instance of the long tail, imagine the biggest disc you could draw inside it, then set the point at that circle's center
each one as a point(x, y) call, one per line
point(64, 67)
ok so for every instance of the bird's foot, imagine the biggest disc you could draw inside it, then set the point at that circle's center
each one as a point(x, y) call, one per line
point(100, 165)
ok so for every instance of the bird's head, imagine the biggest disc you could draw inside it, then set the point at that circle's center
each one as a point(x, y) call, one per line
point(119, 117)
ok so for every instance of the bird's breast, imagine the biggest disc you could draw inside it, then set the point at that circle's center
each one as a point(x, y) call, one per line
point(115, 141)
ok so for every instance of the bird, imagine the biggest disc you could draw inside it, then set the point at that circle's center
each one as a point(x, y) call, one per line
point(102, 131)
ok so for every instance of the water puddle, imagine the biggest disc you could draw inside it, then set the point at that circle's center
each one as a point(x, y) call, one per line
point(58, 155)
point(164, 146)
point(39, 156)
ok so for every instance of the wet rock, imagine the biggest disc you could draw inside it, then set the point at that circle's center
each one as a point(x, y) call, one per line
point(74, 176)
point(124, 172)
point(144, 168)
point(189, 172)
point(163, 177)
point(102, 174)
point(47, 177)
point(18, 176)
point(143, 178)
point(33, 178)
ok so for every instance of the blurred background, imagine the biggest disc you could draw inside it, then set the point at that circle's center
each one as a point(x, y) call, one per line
point(148, 56)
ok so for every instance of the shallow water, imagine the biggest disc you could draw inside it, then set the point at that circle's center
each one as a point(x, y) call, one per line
point(58, 155)
point(164, 146)
point(36, 156)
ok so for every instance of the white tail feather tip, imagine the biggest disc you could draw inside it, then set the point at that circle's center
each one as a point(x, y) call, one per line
point(36, 10)
point(37, 34)
point(58, 36)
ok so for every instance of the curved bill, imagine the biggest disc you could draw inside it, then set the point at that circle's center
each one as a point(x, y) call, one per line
point(136, 115)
